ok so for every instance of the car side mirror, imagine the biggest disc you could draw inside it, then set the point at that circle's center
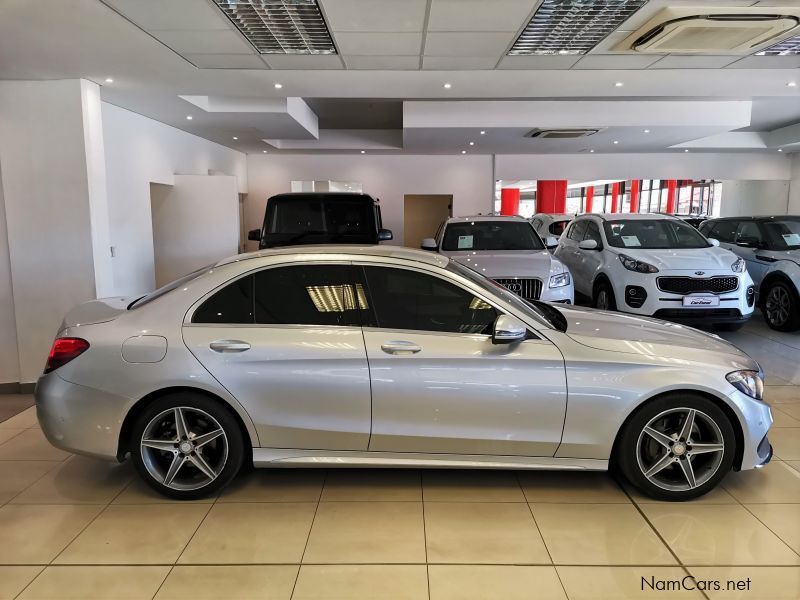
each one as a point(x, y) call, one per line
point(508, 329)
point(254, 235)
point(713, 242)
point(551, 241)
point(384, 235)
point(588, 245)
point(429, 244)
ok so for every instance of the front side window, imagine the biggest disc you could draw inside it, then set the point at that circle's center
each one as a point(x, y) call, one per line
point(577, 231)
point(724, 231)
point(653, 234)
point(558, 228)
point(748, 233)
point(593, 233)
point(491, 235)
point(404, 299)
point(322, 295)
point(783, 234)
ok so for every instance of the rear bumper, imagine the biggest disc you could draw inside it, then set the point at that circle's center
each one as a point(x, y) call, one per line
point(80, 419)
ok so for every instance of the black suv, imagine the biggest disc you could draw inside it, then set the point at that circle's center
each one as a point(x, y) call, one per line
point(320, 218)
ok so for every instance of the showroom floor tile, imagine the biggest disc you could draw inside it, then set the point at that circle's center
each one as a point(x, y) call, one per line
point(76, 527)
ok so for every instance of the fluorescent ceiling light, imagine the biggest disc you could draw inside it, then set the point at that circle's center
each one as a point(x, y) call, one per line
point(572, 26)
point(447, 86)
point(788, 47)
point(109, 80)
point(280, 26)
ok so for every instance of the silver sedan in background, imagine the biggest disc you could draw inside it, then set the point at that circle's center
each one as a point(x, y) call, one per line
point(343, 356)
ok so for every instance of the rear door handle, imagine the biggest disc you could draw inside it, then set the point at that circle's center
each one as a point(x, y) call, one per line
point(229, 346)
point(400, 347)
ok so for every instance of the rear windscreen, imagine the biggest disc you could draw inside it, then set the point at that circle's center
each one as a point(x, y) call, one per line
point(340, 216)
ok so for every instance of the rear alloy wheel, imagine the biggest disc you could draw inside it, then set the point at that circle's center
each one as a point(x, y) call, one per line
point(677, 447)
point(781, 309)
point(187, 446)
point(604, 296)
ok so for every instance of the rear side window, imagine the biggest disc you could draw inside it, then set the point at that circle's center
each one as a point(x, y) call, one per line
point(232, 304)
point(558, 227)
point(577, 230)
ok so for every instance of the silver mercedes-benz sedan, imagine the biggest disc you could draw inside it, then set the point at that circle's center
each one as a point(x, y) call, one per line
point(378, 356)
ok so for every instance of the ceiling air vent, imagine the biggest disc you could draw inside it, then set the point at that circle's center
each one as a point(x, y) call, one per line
point(280, 26)
point(701, 30)
point(790, 47)
point(572, 26)
point(560, 133)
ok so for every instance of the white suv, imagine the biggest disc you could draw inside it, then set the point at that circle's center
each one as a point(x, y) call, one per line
point(656, 265)
point(508, 250)
point(550, 226)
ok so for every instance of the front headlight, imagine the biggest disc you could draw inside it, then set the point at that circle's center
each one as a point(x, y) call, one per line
point(559, 280)
point(636, 265)
point(738, 266)
point(747, 382)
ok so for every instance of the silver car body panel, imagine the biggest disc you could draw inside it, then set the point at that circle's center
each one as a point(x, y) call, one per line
point(461, 398)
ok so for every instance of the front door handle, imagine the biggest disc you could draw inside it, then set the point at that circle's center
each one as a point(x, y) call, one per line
point(229, 346)
point(400, 347)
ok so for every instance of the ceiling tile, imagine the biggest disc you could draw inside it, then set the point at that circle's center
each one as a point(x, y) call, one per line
point(204, 42)
point(458, 63)
point(226, 61)
point(766, 62)
point(176, 15)
point(468, 44)
point(538, 62)
point(480, 15)
point(374, 15)
point(383, 44)
point(383, 63)
point(678, 61)
point(303, 61)
point(616, 61)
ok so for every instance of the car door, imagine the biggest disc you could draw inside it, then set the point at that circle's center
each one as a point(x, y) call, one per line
point(439, 384)
point(749, 240)
point(286, 341)
point(590, 260)
point(570, 254)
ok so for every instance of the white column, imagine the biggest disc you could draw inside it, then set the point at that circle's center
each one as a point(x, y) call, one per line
point(53, 180)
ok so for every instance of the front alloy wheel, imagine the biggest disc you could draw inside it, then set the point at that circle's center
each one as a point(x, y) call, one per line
point(781, 308)
point(677, 447)
point(187, 446)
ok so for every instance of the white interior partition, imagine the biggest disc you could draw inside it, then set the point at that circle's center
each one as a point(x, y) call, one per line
point(195, 223)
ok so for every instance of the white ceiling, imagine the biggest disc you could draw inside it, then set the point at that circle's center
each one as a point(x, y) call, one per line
point(389, 51)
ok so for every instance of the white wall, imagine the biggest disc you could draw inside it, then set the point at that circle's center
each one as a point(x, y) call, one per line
point(9, 357)
point(794, 186)
point(468, 178)
point(139, 151)
point(748, 197)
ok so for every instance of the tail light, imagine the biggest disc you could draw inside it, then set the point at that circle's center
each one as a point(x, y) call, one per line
point(64, 350)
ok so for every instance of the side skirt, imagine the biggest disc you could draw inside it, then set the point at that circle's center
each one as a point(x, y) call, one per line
point(278, 457)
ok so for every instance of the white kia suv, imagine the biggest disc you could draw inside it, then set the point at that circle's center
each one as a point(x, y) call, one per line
point(508, 250)
point(659, 266)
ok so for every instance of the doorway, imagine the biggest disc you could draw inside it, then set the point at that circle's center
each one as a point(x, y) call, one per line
point(422, 214)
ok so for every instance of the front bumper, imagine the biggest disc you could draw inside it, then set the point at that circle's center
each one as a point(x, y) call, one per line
point(80, 419)
point(755, 418)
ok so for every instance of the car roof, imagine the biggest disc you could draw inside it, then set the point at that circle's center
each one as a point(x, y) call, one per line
point(629, 216)
point(556, 216)
point(754, 218)
point(302, 195)
point(396, 252)
point(486, 218)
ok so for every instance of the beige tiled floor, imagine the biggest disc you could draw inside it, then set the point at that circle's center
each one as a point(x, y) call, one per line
point(73, 527)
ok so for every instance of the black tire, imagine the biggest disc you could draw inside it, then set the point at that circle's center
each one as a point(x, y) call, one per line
point(603, 286)
point(781, 306)
point(709, 468)
point(224, 454)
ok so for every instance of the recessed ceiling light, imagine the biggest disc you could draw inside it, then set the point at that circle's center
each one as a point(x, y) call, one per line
point(686, 150)
point(463, 152)
point(236, 138)
point(189, 117)
point(447, 86)
point(619, 84)
point(483, 132)
point(791, 84)
point(647, 131)
point(616, 141)
point(472, 143)
point(278, 86)
point(780, 149)
point(279, 27)
point(264, 151)
point(363, 152)
point(109, 80)
point(592, 151)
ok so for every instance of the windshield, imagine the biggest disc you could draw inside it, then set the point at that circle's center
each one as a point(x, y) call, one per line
point(546, 314)
point(320, 215)
point(653, 234)
point(491, 235)
point(783, 234)
point(142, 300)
